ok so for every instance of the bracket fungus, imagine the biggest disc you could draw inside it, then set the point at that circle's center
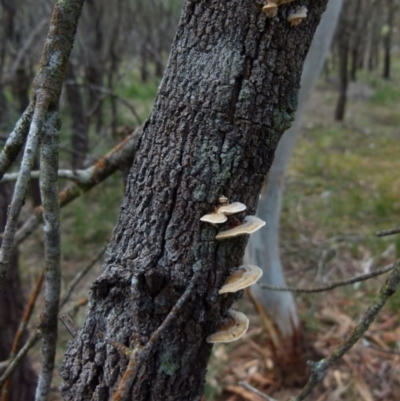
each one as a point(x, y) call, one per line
point(231, 328)
point(270, 9)
point(296, 17)
point(226, 209)
point(242, 277)
point(249, 225)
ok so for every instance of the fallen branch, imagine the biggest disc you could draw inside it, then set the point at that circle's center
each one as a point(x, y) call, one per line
point(385, 233)
point(335, 284)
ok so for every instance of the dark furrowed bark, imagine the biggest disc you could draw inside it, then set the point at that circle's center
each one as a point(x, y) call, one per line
point(228, 93)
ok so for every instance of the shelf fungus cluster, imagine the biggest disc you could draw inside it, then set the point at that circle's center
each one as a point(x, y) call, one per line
point(294, 18)
point(235, 324)
point(271, 8)
point(297, 16)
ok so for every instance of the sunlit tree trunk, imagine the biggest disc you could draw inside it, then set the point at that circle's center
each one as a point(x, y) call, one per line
point(228, 93)
point(278, 309)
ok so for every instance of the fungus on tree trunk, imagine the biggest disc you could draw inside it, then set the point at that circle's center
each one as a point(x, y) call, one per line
point(228, 93)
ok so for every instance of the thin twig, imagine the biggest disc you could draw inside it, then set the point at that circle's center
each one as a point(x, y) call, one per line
point(140, 355)
point(249, 387)
point(77, 305)
point(21, 329)
point(367, 344)
point(318, 369)
point(80, 275)
point(107, 92)
point(107, 165)
point(17, 360)
point(335, 284)
point(391, 231)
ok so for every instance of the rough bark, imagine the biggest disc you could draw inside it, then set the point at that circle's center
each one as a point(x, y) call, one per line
point(278, 309)
point(12, 305)
point(228, 93)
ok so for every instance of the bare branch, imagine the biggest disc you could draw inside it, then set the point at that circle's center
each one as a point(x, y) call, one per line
point(17, 360)
point(22, 327)
point(80, 275)
point(24, 49)
point(123, 153)
point(69, 324)
point(46, 91)
point(77, 305)
point(318, 369)
point(335, 284)
point(52, 250)
point(15, 141)
point(385, 233)
point(80, 176)
point(20, 188)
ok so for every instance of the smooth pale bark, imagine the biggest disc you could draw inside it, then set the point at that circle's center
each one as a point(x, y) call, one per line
point(228, 93)
point(278, 309)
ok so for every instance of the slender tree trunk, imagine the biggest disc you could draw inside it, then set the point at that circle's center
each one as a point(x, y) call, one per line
point(12, 302)
point(343, 47)
point(387, 38)
point(228, 93)
point(80, 140)
point(94, 68)
point(355, 39)
point(278, 309)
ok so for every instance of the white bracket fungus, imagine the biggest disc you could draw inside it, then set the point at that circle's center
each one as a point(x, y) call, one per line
point(249, 225)
point(226, 209)
point(231, 329)
point(270, 9)
point(296, 17)
point(242, 277)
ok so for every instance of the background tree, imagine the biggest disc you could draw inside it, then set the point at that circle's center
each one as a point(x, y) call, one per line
point(278, 309)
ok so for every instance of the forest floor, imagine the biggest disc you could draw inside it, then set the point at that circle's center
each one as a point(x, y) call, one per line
point(340, 189)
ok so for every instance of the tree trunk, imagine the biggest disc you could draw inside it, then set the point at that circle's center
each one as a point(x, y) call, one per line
point(12, 303)
point(278, 309)
point(94, 68)
point(343, 46)
point(228, 93)
point(387, 38)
